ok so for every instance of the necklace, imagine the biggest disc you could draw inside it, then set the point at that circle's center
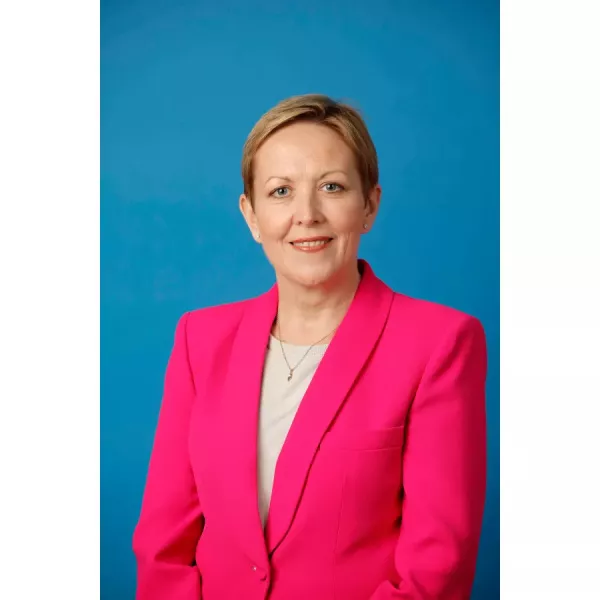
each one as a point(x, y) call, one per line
point(292, 369)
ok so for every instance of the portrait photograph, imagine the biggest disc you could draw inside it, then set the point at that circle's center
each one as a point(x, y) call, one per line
point(300, 301)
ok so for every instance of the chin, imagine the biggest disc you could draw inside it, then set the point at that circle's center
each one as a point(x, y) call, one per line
point(314, 275)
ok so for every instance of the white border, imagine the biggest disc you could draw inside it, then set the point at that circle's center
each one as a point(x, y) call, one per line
point(550, 301)
point(49, 255)
point(49, 322)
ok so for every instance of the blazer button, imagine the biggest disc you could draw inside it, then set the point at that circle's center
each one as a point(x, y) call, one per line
point(262, 576)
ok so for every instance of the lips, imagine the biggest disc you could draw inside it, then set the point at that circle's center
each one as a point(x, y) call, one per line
point(311, 243)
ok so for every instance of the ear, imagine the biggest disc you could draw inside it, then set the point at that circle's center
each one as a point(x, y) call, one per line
point(372, 204)
point(249, 216)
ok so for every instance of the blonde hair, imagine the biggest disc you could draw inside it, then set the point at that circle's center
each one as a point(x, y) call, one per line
point(315, 108)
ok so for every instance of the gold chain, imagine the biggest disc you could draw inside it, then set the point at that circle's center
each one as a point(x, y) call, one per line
point(292, 369)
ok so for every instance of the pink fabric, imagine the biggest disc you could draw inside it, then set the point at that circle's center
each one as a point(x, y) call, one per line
point(379, 489)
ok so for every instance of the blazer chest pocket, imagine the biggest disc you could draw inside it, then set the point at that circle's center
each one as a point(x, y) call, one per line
point(374, 439)
point(371, 469)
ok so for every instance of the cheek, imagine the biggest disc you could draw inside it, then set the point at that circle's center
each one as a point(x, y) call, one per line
point(349, 227)
point(348, 220)
point(272, 228)
point(349, 243)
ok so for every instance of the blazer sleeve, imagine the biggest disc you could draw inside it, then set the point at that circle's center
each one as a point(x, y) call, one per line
point(444, 474)
point(170, 522)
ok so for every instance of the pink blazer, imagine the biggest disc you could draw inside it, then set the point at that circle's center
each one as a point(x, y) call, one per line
point(379, 488)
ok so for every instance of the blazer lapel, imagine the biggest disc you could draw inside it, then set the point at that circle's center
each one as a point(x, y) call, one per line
point(239, 421)
point(339, 368)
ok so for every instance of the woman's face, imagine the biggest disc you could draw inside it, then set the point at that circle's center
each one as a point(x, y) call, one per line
point(309, 207)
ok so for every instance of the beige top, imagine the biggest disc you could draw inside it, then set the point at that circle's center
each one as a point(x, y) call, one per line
point(279, 403)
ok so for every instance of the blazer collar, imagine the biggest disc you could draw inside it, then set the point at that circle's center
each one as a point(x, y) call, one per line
point(343, 361)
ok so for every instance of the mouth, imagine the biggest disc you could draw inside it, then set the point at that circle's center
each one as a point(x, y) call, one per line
point(311, 244)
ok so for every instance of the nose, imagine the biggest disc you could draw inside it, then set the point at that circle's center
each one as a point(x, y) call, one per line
point(307, 210)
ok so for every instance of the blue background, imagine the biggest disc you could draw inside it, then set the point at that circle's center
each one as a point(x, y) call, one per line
point(182, 83)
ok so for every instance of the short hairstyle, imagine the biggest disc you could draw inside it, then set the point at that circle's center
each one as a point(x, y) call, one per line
point(315, 108)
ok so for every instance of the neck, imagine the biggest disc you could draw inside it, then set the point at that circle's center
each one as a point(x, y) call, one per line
point(306, 314)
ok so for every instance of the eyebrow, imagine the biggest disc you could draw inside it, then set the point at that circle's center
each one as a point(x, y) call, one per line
point(283, 177)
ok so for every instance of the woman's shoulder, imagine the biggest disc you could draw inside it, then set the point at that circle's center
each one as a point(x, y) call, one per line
point(213, 324)
point(429, 318)
point(216, 316)
point(425, 319)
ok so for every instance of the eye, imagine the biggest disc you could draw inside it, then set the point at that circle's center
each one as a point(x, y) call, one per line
point(333, 187)
point(280, 192)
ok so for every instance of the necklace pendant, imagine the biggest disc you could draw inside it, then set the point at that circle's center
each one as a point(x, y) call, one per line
point(290, 375)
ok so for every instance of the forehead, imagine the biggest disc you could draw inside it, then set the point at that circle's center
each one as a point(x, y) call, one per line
point(303, 147)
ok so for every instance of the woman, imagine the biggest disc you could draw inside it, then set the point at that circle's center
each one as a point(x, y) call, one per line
point(325, 440)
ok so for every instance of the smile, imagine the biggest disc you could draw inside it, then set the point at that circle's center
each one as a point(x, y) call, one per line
point(311, 245)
